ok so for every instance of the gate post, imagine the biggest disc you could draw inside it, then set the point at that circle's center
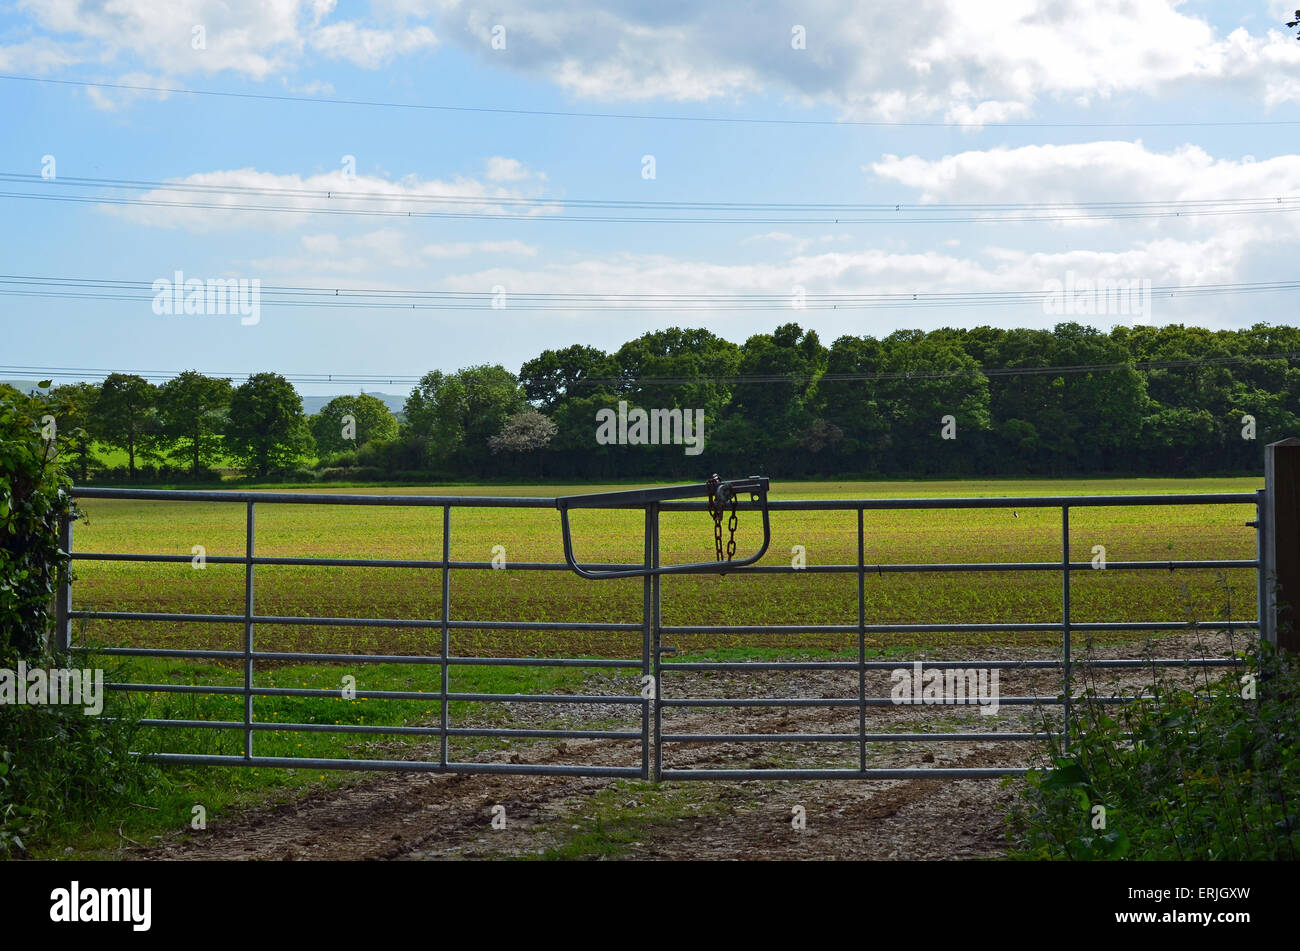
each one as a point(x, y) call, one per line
point(62, 640)
point(1280, 552)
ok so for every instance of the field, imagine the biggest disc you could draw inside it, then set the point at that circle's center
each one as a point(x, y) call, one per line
point(1135, 533)
point(979, 535)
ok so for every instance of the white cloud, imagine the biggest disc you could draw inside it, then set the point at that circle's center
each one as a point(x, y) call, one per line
point(256, 38)
point(38, 55)
point(252, 37)
point(1090, 171)
point(326, 192)
point(370, 48)
point(967, 62)
point(501, 169)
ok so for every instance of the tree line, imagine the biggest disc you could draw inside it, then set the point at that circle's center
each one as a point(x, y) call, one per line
point(986, 401)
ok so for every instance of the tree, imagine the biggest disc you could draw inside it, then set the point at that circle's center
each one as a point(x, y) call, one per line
point(528, 431)
point(192, 416)
point(74, 410)
point(124, 414)
point(370, 415)
point(266, 429)
point(452, 415)
point(773, 409)
point(557, 376)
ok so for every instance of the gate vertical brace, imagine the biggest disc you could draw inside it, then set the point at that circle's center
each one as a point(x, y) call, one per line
point(646, 647)
point(1065, 619)
point(862, 650)
point(1261, 574)
point(1282, 542)
point(445, 650)
point(249, 524)
point(652, 513)
point(63, 593)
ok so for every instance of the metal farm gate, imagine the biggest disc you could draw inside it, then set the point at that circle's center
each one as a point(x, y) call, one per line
point(657, 639)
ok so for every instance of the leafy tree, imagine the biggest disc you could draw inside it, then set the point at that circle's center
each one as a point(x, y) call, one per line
point(371, 415)
point(452, 415)
point(785, 365)
point(557, 376)
point(192, 416)
point(266, 429)
point(695, 361)
point(125, 414)
point(74, 409)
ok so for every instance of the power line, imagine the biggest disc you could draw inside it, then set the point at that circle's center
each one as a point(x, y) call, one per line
point(572, 114)
point(1072, 300)
point(629, 382)
point(337, 194)
point(1230, 207)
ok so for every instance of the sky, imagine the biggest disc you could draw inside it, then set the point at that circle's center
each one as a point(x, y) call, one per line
point(925, 103)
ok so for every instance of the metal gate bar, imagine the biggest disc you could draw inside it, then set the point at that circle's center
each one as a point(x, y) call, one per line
point(651, 663)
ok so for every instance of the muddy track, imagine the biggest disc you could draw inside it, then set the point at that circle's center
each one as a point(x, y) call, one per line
point(449, 816)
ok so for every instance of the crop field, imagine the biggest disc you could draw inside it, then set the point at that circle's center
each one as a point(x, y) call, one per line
point(977, 535)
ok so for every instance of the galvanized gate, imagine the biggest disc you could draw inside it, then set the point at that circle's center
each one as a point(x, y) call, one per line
point(654, 670)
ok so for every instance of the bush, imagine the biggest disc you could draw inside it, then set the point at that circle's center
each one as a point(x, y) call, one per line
point(293, 475)
point(1209, 773)
point(56, 763)
point(338, 460)
point(352, 474)
point(32, 502)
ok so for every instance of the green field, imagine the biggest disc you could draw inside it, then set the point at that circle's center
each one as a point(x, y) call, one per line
point(976, 535)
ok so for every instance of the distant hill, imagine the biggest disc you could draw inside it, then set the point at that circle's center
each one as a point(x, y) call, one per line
point(314, 404)
point(26, 386)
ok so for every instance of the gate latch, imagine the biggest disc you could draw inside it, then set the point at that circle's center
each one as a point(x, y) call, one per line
point(718, 495)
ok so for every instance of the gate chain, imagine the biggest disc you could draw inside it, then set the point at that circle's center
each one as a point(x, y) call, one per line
point(731, 528)
point(715, 510)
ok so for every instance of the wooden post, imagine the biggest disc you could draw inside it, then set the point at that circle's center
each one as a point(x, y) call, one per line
point(1280, 567)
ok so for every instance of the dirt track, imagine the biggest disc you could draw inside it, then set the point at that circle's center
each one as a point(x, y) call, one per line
point(423, 816)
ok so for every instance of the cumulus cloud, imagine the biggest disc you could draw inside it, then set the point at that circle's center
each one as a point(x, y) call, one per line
point(501, 169)
point(255, 38)
point(369, 48)
point(1089, 171)
point(967, 62)
point(251, 37)
point(248, 190)
point(38, 55)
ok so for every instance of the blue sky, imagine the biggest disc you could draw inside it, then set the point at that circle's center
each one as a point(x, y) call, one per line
point(1022, 64)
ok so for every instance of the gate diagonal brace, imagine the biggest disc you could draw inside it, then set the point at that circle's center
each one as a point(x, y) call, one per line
point(716, 492)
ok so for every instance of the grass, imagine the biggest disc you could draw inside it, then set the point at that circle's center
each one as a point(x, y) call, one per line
point(976, 535)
